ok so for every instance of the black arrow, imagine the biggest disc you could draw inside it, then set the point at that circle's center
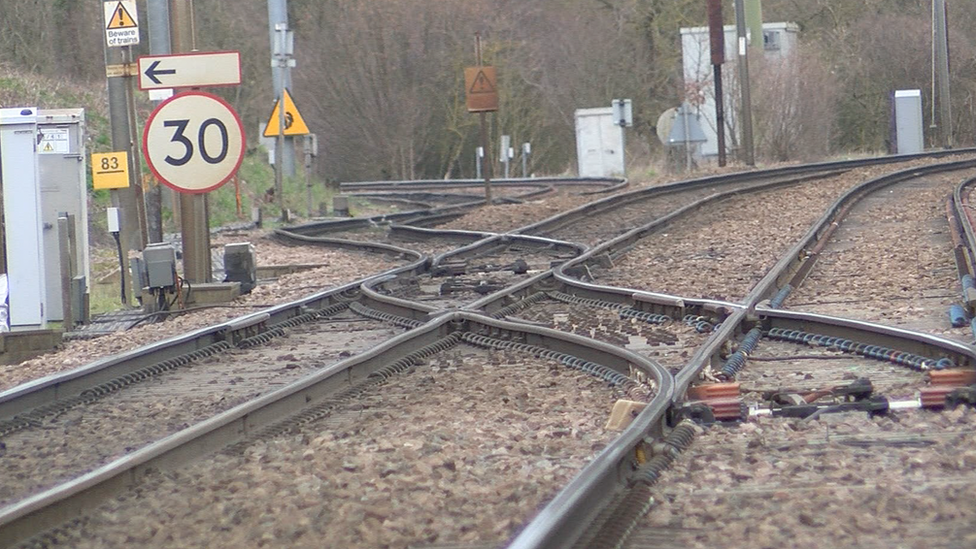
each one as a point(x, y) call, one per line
point(151, 71)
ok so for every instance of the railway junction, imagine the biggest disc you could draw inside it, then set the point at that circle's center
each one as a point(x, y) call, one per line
point(776, 357)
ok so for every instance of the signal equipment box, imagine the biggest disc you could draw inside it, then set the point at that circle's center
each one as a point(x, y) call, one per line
point(23, 246)
point(61, 165)
point(599, 143)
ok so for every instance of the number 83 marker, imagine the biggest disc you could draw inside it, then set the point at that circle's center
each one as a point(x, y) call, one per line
point(193, 142)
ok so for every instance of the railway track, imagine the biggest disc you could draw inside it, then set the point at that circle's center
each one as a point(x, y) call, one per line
point(552, 318)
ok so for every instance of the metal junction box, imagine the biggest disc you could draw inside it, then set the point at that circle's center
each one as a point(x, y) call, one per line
point(24, 250)
point(160, 260)
point(599, 143)
point(61, 164)
point(240, 265)
point(909, 138)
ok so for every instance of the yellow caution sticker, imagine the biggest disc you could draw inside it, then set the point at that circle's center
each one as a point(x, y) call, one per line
point(294, 124)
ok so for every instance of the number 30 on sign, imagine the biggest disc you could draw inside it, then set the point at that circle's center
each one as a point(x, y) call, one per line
point(194, 142)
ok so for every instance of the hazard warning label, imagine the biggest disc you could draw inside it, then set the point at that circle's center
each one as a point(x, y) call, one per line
point(121, 23)
point(293, 122)
point(481, 89)
point(54, 141)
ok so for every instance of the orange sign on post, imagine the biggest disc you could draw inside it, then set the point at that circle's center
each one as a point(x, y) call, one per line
point(481, 89)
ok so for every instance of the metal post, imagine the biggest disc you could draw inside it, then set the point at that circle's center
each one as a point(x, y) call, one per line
point(309, 145)
point(719, 114)
point(503, 156)
point(158, 45)
point(194, 224)
point(716, 36)
point(282, 59)
point(280, 153)
point(478, 153)
point(754, 23)
point(484, 129)
point(122, 199)
point(525, 159)
point(745, 109)
point(135, 162)
point(64, 249)
point(280, 80)
point(942, 67)
point(684, 121)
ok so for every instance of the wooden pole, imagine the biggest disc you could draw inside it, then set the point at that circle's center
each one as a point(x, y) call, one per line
point(486, 165)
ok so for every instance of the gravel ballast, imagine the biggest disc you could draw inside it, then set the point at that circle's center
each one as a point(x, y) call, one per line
point(342, 266)
point(891, 261)
point(83, 438)
point(726, 247)
point(464, 448)
point(902, 480)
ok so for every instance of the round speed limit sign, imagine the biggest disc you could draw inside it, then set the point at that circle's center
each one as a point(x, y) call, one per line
point(193, 142)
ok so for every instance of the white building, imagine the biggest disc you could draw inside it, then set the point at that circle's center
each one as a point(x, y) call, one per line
point(779, 40)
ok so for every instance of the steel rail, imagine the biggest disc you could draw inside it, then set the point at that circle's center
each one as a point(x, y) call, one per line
point(71, 383)
point(547, 531)
point(965, 219)
point(792, 261)
point(419, 311)
point(242, 324)
point(67, 501)
point(568, 273)
point(787, 266)
point(318, 228)
point(610, 184)
point(558, 220)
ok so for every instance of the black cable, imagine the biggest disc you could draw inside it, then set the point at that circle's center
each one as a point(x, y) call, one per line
point(118, 245)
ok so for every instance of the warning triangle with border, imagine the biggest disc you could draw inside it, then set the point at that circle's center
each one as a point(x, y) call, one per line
point(121, 19)
point(294, 123)
point(482, 84)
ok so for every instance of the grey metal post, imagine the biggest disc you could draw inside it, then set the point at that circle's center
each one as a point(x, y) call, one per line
point(745, 108)
point(684, 120)
point(503, 146)
point(281, 79)
point(122, 199)
point(158, 13)
point(525, 160)
point(282, 58)
point(754, 22)
point(309, 150)
point(194, 224)
point(135, 153)
point(64, 249)
point(941, 37)
point(478, 153)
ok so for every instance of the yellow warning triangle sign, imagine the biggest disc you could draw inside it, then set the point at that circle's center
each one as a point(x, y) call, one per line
point(48, 147)
point(294, 123)
point(121, 19)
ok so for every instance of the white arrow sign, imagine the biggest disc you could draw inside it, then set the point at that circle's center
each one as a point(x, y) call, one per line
point(190, 70)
